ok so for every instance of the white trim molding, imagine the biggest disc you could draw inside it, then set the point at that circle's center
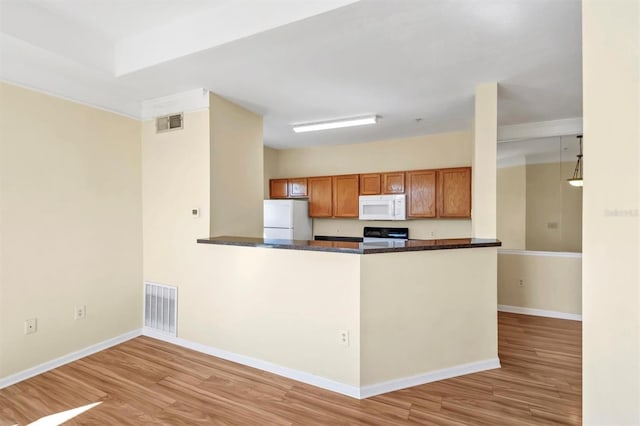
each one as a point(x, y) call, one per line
point(576, 255)
point(290, 373)
point(539, 312)
point(65, 359)
point(433, 376)
point(189, 101)
point(130, 111)
point(540, 129)
point(324, 383)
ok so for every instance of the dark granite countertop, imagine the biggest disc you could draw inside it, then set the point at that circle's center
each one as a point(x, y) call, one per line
point(351, 247)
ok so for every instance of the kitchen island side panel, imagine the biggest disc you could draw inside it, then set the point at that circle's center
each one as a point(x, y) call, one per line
point(426, 311)
point(285, 307)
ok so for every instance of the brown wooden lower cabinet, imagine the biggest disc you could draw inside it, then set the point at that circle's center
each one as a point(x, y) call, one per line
point(320, 196)
point(421, 194)
point(454, 192)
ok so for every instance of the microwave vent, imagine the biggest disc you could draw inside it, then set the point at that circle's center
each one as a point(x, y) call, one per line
point(168, 123)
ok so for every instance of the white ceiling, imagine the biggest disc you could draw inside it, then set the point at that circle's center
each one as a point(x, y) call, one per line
point(118, 19)
point(296, 61)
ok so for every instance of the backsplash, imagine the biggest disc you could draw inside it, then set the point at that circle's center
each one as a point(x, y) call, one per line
point(422, 229)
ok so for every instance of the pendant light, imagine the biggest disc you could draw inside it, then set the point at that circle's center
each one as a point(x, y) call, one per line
point(576, 180)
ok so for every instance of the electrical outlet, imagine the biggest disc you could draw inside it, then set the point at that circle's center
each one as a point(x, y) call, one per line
point(433, 234)
point(80, 312)
point(343, 337)
point(30, 326)
point(521, 283)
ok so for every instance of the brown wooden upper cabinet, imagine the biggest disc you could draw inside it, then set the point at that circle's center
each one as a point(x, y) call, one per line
point(454, 192)
point(333, 196)
point(382, 183)
point(288, 188)
point(393, 183)
point(320, 196)
point(421, 193)
point(278, 188)
point(345, 195)
point(370, 184)
point(297, 188)
point(434, 193)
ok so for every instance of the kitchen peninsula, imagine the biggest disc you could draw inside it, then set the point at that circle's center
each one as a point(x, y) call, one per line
point(355, 318)
point(353, 247)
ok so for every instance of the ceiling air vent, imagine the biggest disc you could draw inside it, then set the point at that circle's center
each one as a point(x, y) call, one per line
point(169, 122)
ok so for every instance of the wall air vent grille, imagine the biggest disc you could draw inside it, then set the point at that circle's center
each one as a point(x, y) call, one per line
point(169, 122)
point(160, 308)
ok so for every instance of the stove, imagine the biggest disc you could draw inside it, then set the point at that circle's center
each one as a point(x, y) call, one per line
point(334, 238)
point(385, 237)
point(375, 237)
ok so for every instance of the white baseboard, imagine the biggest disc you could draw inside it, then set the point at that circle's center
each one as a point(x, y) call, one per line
point(539, 312)
point(300, 376)
point(570, 254)
point(321, 382)
point(58, 362)
point(433, 376)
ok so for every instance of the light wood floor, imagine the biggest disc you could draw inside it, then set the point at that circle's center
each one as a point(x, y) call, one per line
point(145, 381)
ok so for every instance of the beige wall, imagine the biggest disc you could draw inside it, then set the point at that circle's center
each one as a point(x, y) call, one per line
point(70, 221)
point(270, 167)
point(531, 199)
point(175, 179)
point(424, 152)
point(512, 207)
point(391, 305)
point(485, 147)
point(237, 185)
point(611, 239)
point(550, 202)
point(549, 282)
point(422, 312)
point(241, 300)
point(267, 305)
point(249, 301)
point(419, 229)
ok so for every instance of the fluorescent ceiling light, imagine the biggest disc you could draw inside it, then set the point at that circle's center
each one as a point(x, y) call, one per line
point(335, 124)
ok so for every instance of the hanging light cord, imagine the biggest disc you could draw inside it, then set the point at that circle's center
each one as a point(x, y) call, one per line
point(577, 172)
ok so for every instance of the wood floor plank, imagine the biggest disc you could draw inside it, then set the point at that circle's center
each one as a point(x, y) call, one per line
point(490, 414)
point(348, 409)
point(149, 382)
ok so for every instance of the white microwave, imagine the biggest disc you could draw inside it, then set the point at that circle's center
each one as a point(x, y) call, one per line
point(382, 207)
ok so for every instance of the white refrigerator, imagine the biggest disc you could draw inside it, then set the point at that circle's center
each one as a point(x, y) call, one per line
point(287, 220)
